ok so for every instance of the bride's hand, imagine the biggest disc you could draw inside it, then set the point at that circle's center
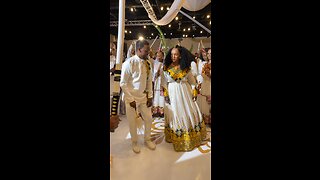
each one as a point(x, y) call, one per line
point(167, 99)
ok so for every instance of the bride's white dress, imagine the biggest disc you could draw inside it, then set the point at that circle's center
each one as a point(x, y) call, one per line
point(184, 126)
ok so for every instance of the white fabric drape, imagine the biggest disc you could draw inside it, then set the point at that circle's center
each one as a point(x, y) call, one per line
point(191, 5)
point(195, 5)
point(171, 14)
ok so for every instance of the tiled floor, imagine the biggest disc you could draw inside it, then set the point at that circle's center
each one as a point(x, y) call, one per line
point(161, 164)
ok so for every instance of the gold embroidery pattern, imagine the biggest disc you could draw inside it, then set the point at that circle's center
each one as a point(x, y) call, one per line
point(159, 133)
point(178, 74)
point(202, 150)
point(186, 141)
point(206, 68)
point(165, 92)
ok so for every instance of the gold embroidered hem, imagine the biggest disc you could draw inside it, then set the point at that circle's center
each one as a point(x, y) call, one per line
point(186, 141)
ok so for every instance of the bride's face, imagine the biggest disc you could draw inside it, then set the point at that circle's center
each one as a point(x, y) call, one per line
point(175, 55)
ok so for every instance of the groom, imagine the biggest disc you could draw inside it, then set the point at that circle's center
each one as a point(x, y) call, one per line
point(136, 83)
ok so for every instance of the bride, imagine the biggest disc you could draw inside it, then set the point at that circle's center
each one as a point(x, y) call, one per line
point(184, 127)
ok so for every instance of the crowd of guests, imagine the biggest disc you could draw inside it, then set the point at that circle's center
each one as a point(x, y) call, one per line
point(174, 85)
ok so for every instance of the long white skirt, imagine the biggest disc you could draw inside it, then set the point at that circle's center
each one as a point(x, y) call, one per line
point(184, 125)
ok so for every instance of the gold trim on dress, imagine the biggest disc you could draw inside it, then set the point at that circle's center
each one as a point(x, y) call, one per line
point(186, 141)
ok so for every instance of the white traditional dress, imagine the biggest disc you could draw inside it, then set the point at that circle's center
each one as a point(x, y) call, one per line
point(158, 98)
point(204, 97)
point(184, 126)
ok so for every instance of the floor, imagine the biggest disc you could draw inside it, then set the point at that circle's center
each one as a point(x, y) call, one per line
point(161, 164)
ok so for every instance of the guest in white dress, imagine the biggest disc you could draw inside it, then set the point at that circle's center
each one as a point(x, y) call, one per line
point(204, 96)
point(158, 98)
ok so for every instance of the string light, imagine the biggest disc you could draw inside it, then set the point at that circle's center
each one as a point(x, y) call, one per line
point(188, 29)
point(169, 25)
point(130, 32)
point(184, 29)
point(200, 31)
point(177, 18)
point(194, 17)
point(170, 33)
point(131, 9)
point(161, 8)
point(210, 22)
point(141, 38)
point(167, 8)
point(151, 34)
point(208, 16)
point(125, 31)
point(144, 26)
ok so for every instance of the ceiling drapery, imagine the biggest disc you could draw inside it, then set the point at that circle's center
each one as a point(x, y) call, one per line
point(191, 5)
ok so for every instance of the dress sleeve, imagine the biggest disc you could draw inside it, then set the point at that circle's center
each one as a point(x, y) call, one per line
point(164, 83)
point(193, 83)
